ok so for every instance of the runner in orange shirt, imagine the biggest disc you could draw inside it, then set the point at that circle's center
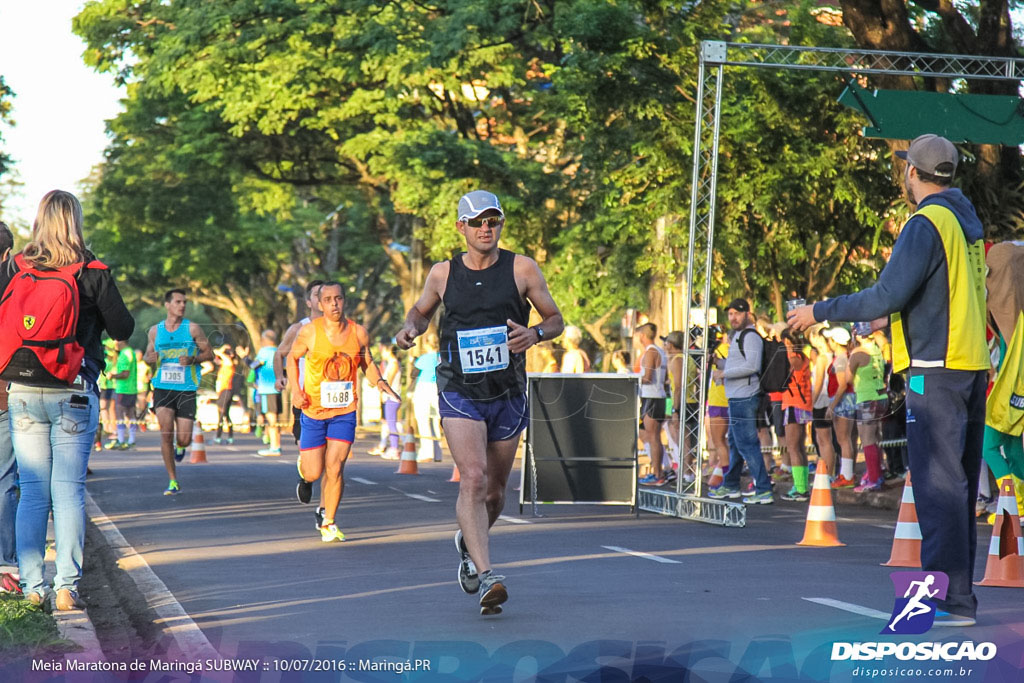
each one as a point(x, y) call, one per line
point(335, 349)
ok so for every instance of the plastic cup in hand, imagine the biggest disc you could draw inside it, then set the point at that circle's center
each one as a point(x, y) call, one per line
point(794, 304)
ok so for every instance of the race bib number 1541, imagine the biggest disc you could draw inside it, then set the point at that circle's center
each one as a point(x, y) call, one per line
point(483, 350)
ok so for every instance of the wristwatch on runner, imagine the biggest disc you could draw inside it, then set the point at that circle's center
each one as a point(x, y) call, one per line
point(540, 332)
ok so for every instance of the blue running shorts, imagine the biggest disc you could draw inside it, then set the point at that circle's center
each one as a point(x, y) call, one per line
point(506, 418)
point(316, 433)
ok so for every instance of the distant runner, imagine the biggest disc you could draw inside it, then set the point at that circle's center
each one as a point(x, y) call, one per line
point(175, 349)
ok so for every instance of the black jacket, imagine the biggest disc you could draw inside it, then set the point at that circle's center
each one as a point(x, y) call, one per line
point(100, 308)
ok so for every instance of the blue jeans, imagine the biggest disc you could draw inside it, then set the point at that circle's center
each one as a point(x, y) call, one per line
point(744, 445)
point(8, 493)
point(52, 431)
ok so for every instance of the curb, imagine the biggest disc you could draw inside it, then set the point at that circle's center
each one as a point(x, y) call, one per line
point(73, 625)
point(191, 642)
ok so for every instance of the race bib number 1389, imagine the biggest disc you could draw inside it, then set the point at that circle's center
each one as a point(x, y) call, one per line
point(483, 350)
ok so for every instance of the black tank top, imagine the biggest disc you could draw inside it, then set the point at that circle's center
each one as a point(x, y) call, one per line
point(475, 360)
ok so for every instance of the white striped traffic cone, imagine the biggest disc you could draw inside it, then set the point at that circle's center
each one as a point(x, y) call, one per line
point(1005, 566)
point(408, 465)
point(906, 543)
point(820, 530)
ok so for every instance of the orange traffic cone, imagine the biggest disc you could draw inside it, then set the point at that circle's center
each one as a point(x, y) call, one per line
point(906, 543)
point(198, 445)
point(820, 529)
point(455, 474)
point(408, 465)
point(1005, 565)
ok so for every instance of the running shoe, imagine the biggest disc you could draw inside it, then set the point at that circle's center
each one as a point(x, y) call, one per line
point(469, 581)
point(492, 593)
point(946, 619)
point(765, 498)
point(330, 533)
point(179, 454)
point(869, 486)
point(981, 506)
point(723, 491)
point(111, 445)
point(304, 489)
point(269, 452)
point(798, 496)
point(842, 482)
point(318, 514)
point(128, 446)
point(660, 481)
point(391, 454)
point(647, 480)
point(231, 440)
point(750, 490)
point(172, 488)
point(670, 476)
point(218, 441)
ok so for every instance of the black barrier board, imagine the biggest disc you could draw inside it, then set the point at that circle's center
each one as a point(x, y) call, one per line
point(581, 440)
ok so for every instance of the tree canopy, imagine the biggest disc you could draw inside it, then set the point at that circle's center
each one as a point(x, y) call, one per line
point(247, 122)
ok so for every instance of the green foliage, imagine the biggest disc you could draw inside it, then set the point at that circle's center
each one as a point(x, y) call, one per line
point(5, 118)
point(248, 121)
point(25, 629)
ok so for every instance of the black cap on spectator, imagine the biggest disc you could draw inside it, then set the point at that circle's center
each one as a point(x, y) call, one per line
point(738, 304)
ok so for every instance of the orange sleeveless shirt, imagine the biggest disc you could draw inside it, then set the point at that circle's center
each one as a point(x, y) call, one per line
point(330, 375)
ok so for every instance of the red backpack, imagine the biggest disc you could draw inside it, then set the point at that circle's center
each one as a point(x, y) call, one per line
point(38, 322)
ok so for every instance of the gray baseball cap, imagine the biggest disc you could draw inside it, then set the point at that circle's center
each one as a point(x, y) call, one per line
point(476, 202)
point(932, 154)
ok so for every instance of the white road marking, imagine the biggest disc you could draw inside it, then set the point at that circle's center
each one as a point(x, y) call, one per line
point(850, 607)
point(514, 520)
point(425, 499)
point(364, 481)
point(890, 527)
point(637, 553)
point(274, 458)
point(416, 496)
point(190, 639)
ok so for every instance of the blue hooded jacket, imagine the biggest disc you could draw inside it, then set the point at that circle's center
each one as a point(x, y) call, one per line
point(915, 281)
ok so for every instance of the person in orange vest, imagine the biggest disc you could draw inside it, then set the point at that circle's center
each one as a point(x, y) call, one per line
point(335, 349)
point(797, 407)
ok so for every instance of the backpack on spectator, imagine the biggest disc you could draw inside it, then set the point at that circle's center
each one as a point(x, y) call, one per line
point(775, 370)
point(38, 322)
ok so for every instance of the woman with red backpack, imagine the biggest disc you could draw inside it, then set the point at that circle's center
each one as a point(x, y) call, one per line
point(57, 302)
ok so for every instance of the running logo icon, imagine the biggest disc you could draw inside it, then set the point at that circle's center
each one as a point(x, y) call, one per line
point(914, 609)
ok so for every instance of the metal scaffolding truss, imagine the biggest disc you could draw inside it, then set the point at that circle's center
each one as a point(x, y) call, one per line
point(714, 57)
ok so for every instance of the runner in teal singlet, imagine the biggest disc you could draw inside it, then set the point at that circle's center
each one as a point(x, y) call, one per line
point(176, 348)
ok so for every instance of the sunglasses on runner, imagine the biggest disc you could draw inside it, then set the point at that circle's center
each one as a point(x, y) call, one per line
point(490, 222)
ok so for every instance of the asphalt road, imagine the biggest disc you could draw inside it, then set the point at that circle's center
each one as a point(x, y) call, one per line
point(243, 559)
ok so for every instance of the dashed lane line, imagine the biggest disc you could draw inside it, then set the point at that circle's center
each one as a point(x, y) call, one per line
point(416, 496)
point(514, 520)
point(850, 607)
point(637, 553)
